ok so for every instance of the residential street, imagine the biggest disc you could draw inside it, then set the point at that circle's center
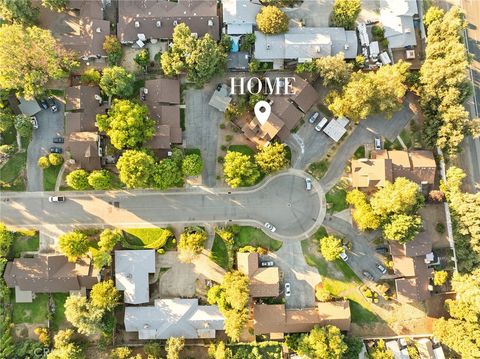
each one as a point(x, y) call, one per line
point(50, 124)
point(281, 200)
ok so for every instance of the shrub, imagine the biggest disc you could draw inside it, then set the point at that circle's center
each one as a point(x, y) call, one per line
point(228, 138)
point(43, 162)
point(323, 295)
point(90, 76)
point(78, 179)
point(55, 159)
point(271, 20)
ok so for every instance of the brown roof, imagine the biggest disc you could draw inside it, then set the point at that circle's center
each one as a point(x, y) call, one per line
point(155, 18)
point(304, 95)
point(420, 246)
point(49, 273)
point(161, 138)
point(83, 147)
point(264, 282)
point(277, 319)
point(369, 173)
point(162, 90)
point(412, 289)
point(286, 111)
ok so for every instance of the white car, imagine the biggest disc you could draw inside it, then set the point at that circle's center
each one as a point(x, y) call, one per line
point(308, 184)
point(344, 256)
point(270, 227)
point(288, 291)
point(321, 124)
point(34, 122)
point(56, 199)
point(378, 144)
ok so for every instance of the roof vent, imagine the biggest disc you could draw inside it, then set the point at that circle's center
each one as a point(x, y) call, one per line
point(158, 23)
point(347, 46)
point(175, 22)
point(145, 91)
point(146, 326)
point(408, 30)
point(268, 46)
point(129, 276)
point(98, 29)
point(137, 24)
point(317, 49)
point(195, 35)
point(210, 23)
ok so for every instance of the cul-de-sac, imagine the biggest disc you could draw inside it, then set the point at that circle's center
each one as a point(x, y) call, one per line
point(239, 179)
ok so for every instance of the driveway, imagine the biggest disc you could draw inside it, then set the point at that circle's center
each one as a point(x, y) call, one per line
point(202, 123)
point(302, 278)
point(281, 200)
point(50, 125)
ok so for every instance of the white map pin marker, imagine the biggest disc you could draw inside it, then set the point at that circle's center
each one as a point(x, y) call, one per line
point(262, 111)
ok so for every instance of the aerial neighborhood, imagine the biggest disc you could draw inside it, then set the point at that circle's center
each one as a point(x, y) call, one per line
point(239, 179)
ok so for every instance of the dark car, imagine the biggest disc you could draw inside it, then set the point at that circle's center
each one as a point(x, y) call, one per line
point(58, 140)
point(56, 150)
point(44, 104)
point(368, 275)
point(381, 268)
point(52, 104)
point(382, 249)
point(267, 264)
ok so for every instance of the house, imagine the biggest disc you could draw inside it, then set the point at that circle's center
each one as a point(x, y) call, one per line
point(240, 16)
point(335, 129)
point(153, 20)
point(83, 104)
point(85, 150)
point(397, 17)
point(162, 97)
point(264, 282)
point(275, 320)
point(425, 348)
point(131, 274)
point(305, 44)
point(176, 317)
point(418, 166)
point(285, 115)
point(49, 273)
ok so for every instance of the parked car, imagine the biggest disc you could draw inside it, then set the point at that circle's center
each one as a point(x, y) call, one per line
point(270, 227)
point(56, 199)
point(308, 184)
point(267, 264)
point(288, 290)
point(52, 104)
point(44, 104)
point(378, 144)
point(56, 150)
point(368, 275)
point(381, 268)
point(344, 256)
point(321, 124)
point(382, 249)
point(34, 122)
point(313, 118)
point(58, 140)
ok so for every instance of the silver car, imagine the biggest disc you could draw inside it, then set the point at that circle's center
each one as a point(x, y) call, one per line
point(308, 184)
point(288, 290)
point(270, 227)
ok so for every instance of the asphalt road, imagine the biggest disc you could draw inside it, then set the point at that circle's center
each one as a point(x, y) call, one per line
point(281, 200)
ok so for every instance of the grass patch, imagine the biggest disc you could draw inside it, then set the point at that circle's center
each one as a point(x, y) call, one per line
point(242, 149)
point(359, 153)
point(182, 119)
point(59, 315)
point(9, 137)
point(13, 168)
point(59, 93)
point(35, 312)
point(153, 238)
point(318, 169)
point(336, 199)
point(137, 85)
point(255, 237)
point(324, 109)
point(270, 350)
point(192, 151)
point(50, 177)
point(25, 243)
point(219, 253)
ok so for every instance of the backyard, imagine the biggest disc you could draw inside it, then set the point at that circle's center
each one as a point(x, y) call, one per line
point(12, 173)
point(30, 313)
point(25, 241)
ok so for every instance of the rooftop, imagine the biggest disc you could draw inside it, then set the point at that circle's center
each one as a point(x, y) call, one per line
point(83, 148)
point(264, 282)
point(397, 19)
point(240, 16)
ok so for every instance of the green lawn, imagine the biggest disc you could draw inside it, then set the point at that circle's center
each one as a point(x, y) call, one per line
point(336, 198)
point(359, 153)
point(318, 169)
point(25, 242)
point(242, 149)
point(341, 281)
point(219, 253)
point(59, 316)
point(11, 171)
point(9, 137)
point(138, 238)
point(255, 237)
point(35, 312)
point(50, 177)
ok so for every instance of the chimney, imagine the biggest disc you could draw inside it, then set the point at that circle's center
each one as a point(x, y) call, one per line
point(137, 24)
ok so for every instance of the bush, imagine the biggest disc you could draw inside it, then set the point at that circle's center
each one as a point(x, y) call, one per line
point(78, 180)
point(100, 180)
point(90, 77)
point(55, 159)
point(440, 228)
point(192, 165)
point(43, 162)
point(228, 138)
point(113, 48)
point(323, 295)
point(222, 126)
point(378, 32)
point(271, 20)
point(7, 150)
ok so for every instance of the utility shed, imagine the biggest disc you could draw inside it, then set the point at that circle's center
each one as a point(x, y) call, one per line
point(336, 128)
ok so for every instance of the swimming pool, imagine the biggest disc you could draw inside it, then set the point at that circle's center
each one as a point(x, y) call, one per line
point(234, 46)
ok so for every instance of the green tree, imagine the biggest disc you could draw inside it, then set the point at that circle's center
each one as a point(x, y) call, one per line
point(55, 159)
point(30, 57)
point(380, 351)
point(66, 347)
point(153, 350)
point(101, 259)
point(174, 346)
point(142, 58)
point(100, 179)
point(78, 179)
point(55, 5)
point(239, 170)
point(191, 243)
point(440, 277)
point(219, 351)
point(458, 335)
point(254, 98)
point(113, 48)
point(136, 168)
point(334, 70)
point(331, 248)
point(271, 20)
point(322, 343)
point(167, 174)
point(116, 81)
point(467, 287)
point(18, 11)
point(82, 315)
point(109, 238)
point(354, 345)
point(7, 345)
point(6, 240)
point(272, 158)
point(433, 13)
point(462, 310)
point(43, 162)
point(192, 165)
point(363, 213)
point(345, 13)
point(91, 76)
point(6, 120)
point(120, 353)
point(370, 93)
point(23, 125)
point(74, 245)
point(402, 228)
point(104, 296)
point(127, 124)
